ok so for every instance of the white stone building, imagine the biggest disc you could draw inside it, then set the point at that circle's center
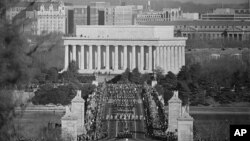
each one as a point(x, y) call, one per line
point(113, 49)
point(51, 17)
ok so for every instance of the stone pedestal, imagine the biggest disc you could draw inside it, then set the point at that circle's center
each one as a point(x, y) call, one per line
point(174, 112)
point(69, 126)
point(77, 108)
point(185, 128)
point(73, 120)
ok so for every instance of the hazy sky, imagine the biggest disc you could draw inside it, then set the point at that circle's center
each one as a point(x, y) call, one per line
point(214, 1)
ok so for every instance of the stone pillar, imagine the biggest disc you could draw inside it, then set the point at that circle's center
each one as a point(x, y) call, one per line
point(157, 56)
point(74, 52)
point(172, 59)
point(168, 59)
point(183, 56)
point(104, 58)
point(87, 60)
point(133, 57)
point(142, 58)
point(174, 112)
point(180, 57)
point(99, 57)
point(90, 57)
point(113, 59)
point(146, 60)
point(130, 60)
point(107, 58)
point(71, 55)
point(79, 62)
point(66, 57)
point(82, 58)
point(165, 59)
point(176, 59)
point(96, 58)
point(77, 108)
point(185, 127)
point(150, 58)
point(69, 126)
point(116, 58)
point(125, 50)
point(121, 56)
point(162, 57)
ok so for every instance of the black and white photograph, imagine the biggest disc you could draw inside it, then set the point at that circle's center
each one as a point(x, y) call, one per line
point(124, 70)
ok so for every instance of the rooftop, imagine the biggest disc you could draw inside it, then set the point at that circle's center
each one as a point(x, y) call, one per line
point(199, 23)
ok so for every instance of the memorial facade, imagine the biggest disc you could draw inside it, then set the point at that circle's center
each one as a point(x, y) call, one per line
point(113, 49)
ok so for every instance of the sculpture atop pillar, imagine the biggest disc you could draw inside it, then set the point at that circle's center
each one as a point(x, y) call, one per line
point(179, 120)
point(73, 120)
point(174, 112)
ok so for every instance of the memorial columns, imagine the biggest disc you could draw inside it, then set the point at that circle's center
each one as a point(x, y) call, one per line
point(150, 57)
point(99, 57)
point(157, 56)
point(183, 55)
point(107, 58)
point(74, 53)
point(161, 57)
point(90, 57)
point(125, 50)
point(168, 58)
point(146, 59)
point(180, 57)
point(165, 58)
point(78, 60)
point(82, 57)
point(172, 59)
point(133, 58)
point(142, 58)
point(116, 58)
point(175, 58)
point(95, 57)
point(66, 59)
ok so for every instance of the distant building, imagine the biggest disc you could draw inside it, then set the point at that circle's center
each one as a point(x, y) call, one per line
point(227, 14)
point(13, 11)
point(69, 10)
point(113, 49)
point(92, 14)
point(51, 17)
point(136, 9)
point(235, 30)
point(167, 14)
point(190, 16)
point(119, 15)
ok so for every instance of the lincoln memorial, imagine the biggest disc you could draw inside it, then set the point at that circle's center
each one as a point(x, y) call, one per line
point(113, 49)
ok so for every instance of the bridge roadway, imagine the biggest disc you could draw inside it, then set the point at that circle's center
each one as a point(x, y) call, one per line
point(118, 125)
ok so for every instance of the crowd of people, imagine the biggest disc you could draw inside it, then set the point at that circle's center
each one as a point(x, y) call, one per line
point(116, 103)
point(124, 99)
